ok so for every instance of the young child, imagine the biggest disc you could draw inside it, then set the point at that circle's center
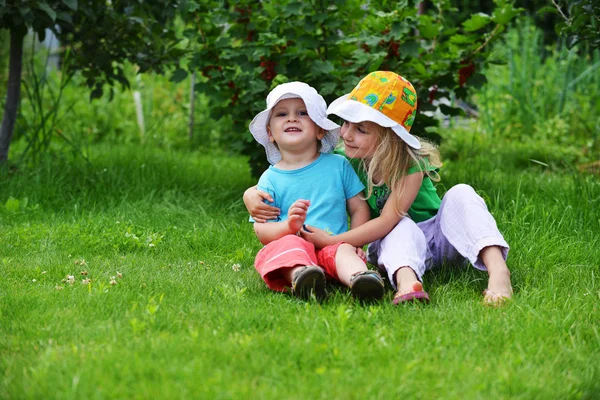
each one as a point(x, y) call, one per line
point(314, 187)
point(413, 230)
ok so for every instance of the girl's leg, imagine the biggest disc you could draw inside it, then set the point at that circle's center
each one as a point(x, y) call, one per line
point(499, 286)
point(402, 255)
point(465, 228)
point(407, 282)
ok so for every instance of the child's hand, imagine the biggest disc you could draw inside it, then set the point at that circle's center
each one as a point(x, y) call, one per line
point(317, 236)
point(297, 215)
point(259, 210)
point(361, 253)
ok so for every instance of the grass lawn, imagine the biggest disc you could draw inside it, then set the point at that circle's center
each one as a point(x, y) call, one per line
point(190, 318)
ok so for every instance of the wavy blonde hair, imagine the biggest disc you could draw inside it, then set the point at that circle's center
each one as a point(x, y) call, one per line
point(393, 158)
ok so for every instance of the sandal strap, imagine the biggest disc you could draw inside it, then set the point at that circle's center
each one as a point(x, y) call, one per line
point(361, 273)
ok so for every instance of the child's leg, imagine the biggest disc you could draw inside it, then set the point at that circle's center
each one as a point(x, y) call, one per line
point(407, 282)
point(278, 261)
point(499, 287)
point(343, 264)
point(348, 263)
point(402, 254)
point(464, 227)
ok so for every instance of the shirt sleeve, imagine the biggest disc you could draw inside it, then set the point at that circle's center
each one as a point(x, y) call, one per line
point(423, 166)
point(266, 185)
point(352, 183)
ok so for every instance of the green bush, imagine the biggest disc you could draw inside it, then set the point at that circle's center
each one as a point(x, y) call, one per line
point(246, 49)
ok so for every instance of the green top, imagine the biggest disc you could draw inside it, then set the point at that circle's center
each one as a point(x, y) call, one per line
point(426, 204)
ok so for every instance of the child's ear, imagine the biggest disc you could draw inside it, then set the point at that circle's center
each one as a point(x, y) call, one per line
point(271, 139)
point(321, 134)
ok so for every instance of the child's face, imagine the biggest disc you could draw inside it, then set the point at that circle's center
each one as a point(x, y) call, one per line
point(291, 127)
point(360, 140)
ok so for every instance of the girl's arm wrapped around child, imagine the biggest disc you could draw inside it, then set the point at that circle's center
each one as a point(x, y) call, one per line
point(377, 228)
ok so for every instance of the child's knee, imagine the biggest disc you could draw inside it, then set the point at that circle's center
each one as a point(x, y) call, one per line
point(345, 248)
point(460, 191)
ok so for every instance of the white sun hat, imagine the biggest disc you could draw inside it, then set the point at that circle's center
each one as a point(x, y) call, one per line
point(315, 106)
point(382, 97)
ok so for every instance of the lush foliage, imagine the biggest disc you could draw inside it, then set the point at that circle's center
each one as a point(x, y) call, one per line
point(98, 37)
point(244, 50)
point(60, 118)
point(543, 95)
point(189, 317)
point(581, 21)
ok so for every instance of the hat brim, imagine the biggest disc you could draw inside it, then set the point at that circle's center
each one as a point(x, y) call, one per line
point(258, 128)
point(356, 112)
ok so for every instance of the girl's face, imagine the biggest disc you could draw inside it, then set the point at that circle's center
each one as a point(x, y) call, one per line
point(360, 140)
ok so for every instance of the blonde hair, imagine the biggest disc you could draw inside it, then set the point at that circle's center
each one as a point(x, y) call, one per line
point(393, 158)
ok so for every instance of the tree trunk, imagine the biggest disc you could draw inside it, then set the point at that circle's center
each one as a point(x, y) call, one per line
point(13, 92)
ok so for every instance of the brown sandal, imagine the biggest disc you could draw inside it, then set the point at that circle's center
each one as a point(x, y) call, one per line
point(367, 285)
point(307, 281)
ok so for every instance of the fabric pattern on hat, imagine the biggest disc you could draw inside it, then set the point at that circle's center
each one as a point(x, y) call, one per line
point(381, 91)
point(384, 98)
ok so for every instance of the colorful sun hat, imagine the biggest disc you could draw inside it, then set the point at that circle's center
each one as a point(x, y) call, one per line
point(315, 106)
point(382, 97)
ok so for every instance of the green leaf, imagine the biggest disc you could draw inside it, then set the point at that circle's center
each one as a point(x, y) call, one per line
point(427, 29)
point(292, 9)
point(64, 16)
point(12, 205)
point(451, 111)
point(477, 80)
point(323, 67)
point(46, 8)
point(409, 49)
point(178, 75)
point(193, 6)
point(96, 93)
point(505, 13)
point(463, 39)
point(476, 22)
point(547, 9)
point(72, 4)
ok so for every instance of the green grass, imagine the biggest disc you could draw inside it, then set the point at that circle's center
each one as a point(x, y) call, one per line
point(184, 322)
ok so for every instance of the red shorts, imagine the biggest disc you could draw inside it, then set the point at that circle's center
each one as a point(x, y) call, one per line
point(291, 251)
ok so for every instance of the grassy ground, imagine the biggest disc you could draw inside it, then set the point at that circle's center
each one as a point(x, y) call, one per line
point(190, 317)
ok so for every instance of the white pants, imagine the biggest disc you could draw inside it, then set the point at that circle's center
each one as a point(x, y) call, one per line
point(462, 227)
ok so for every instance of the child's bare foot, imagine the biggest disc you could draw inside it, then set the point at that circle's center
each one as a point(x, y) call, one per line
point(409, 288)
point(499, 288)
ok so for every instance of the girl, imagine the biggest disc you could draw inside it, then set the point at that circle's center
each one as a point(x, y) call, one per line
point(314, 187)
point(413, 229)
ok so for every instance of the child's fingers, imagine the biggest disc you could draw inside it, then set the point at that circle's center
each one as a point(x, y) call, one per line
point(265, 195)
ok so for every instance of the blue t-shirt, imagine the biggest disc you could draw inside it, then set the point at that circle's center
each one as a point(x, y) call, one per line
point(328, 182)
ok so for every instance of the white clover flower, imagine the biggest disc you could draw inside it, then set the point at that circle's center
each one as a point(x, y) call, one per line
point(236, 267)
point(58, 287)
point(113, 282)
point(70, 279)
point(34, 280)
point(44, 272)
point(151, 245)
point(119, 275)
